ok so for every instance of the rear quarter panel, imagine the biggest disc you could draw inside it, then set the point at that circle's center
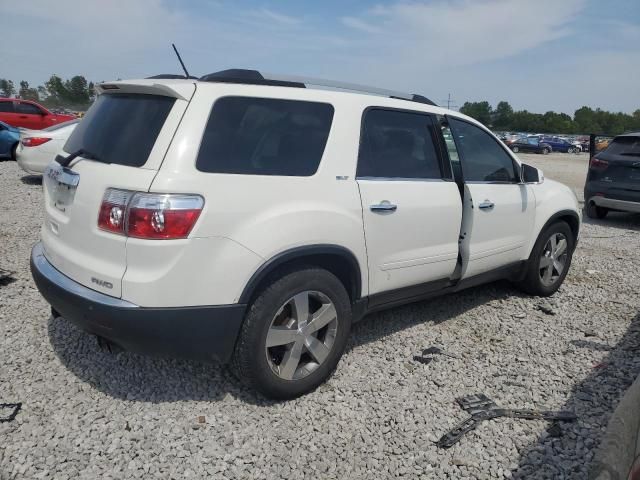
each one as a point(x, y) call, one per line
point(268, 215)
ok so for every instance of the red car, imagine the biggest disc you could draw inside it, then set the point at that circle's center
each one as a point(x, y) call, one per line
point(28, 114)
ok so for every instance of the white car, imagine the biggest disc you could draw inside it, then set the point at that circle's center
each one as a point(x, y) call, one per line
point(254, 219)
point(37, 148)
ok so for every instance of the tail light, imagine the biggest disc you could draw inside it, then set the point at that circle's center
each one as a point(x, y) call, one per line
point(159, 216)
point(34, 141)
point(597, 164)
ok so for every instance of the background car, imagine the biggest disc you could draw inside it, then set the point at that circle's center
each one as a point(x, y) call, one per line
point(531, 145)
point(38, 147)
point(28, 114)
point(613, 180)
point(559, 144)
point(9, 137)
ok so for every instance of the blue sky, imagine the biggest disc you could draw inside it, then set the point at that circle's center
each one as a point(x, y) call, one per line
point(537, 54)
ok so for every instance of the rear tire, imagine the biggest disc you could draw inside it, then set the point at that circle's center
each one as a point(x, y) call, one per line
point(14, 151)
point(594, 211)
point(278, 352)
point(545, 151)
point(515, 149)
point(553, 249)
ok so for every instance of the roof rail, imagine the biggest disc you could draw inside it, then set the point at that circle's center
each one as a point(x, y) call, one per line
point(171, 76)
point(254, 77)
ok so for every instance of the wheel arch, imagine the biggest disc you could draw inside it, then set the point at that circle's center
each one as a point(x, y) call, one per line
point(336, 259)
point(569, 216)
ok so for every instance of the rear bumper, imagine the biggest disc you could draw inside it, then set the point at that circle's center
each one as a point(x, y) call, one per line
point(622, 205)
point(201, 333)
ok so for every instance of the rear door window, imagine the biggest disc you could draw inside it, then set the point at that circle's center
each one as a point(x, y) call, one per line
point(398, 144)
point(265, 136)
point(121, 128)
point(27, 109)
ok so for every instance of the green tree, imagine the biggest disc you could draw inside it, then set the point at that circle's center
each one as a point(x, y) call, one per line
point(481, 111)
point(28, 93)
point(58, 94)
point(7, 88)
point(503, 116)
point(77, 90)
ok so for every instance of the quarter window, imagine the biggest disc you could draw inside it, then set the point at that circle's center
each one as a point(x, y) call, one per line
point(397, 144)
point(483, 159)
point(265, 136)
point(6, 107)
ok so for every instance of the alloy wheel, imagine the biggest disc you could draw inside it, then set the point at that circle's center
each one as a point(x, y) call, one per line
point(301, 335)
point(554, 259)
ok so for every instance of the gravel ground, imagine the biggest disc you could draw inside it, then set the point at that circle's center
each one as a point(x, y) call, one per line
point(88, 414)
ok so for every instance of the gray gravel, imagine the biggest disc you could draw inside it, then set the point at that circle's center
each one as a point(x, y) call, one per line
point(88, 414)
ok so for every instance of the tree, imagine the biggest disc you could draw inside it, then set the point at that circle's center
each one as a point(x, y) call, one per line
point(481, 111)
point(503, 116)
point(7, 88)
point(77, 90)
point(58, 94)
point(28, 93)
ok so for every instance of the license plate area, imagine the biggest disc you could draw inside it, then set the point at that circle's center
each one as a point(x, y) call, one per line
point(61, 183)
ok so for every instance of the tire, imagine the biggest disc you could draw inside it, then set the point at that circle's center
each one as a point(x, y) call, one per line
point(570, 150)
point(535, 280)
point(14, 150)
point(594, 211)
point(270, 369)
point(515, 149)
point(545, 151)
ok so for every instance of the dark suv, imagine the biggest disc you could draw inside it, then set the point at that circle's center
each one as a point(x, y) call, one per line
point(613, 180)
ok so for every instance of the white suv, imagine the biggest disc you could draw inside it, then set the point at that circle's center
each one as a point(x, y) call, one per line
point(253, 219)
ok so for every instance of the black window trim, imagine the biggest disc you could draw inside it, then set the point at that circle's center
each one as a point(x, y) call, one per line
point(444, 169)
point(333, 116)
point(516, 166)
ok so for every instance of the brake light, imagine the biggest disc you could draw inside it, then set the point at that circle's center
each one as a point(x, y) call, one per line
point(597, 164)
point(34, 141)
point(160, 216)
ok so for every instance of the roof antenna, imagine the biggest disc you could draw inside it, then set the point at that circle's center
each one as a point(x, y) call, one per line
point(186, 73)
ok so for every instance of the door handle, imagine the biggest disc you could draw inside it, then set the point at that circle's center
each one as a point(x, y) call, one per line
point(384, 206)
point(486, 205)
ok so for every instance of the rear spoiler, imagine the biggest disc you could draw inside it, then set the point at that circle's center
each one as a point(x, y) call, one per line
point(181, 89)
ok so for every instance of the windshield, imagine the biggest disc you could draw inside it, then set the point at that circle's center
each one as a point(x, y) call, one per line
point(61, 125)
point(121, 128)
point(625, 146)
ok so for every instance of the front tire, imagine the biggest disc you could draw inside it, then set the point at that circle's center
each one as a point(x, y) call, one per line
point(594, 211)
point(294, 334)
point(14, 151)
point(549, 261)
point(515, 149)
point(545, 151)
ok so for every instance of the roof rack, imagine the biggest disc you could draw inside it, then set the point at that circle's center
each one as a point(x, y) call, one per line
point(172, 76)
point(254, 77)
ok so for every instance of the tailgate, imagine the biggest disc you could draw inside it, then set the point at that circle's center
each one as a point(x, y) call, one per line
point(125, 136)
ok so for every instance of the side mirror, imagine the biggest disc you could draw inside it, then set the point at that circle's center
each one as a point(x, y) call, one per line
point(529, 174)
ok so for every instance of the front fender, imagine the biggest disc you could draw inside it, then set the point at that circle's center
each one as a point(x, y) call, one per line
point(554, 201)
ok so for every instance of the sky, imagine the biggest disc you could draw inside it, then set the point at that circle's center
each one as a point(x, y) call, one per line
point(539, 55)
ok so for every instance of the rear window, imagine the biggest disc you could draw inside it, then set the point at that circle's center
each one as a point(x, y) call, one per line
point(121, 128)
point(625, 146)
point(264, 136)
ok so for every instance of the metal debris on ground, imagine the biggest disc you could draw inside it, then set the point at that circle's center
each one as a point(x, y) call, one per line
point(5, 277)
point(13, 408)
point(481, 408)
point(424, 359)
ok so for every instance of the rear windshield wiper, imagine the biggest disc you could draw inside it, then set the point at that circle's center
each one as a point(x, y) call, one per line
point(65, 161)
point(630, 154)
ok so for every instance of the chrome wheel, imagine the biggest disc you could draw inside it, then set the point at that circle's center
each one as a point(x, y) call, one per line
point(301, 335)
point(553, 259)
